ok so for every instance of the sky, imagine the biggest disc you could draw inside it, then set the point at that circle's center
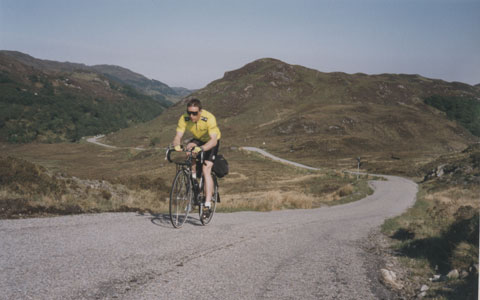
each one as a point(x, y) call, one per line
point(189, 43)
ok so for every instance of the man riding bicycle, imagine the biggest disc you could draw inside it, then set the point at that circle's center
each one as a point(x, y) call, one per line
point(203, 125)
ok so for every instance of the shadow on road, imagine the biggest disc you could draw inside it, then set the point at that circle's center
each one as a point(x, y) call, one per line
point(161, 220)
point(164, 220)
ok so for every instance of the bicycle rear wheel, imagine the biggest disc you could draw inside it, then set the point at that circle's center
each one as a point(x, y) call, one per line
point(180, 199)
point(206, 219)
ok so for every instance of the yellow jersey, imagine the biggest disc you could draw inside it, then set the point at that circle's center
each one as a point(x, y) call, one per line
point(201, 130)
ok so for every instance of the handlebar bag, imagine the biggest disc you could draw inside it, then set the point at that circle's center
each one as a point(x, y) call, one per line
point(220, 166)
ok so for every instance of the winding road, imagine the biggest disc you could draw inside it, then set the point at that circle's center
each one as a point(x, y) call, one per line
point(293, 254)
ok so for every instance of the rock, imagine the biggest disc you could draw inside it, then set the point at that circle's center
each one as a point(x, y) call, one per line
point(440, 171)
point(390, 278)
point(453, 274)
point(424, 288)
point(422, 294)
point(464, 274)
point(436, 278)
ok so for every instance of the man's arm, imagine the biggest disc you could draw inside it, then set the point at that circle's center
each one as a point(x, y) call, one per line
point(211, 143)
point(177, 140)
point(181, 125)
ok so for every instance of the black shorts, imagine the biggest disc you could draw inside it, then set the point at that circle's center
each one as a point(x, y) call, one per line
point(210, 154)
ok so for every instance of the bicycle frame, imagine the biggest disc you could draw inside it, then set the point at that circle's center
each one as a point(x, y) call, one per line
point(195, 186)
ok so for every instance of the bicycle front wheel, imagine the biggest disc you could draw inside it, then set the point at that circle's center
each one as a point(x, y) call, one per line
point(180, 199)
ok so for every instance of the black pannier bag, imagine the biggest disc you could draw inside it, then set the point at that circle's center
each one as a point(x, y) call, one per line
point(220, 166)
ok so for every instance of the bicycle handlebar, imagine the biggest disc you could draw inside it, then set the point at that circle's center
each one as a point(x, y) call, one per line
point(189, 159)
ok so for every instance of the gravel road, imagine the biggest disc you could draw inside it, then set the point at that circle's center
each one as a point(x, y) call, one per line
point(94, 140)
point(265, 153)
point(294, 254)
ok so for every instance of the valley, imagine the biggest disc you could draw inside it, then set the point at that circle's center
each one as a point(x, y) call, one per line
point(407, 125)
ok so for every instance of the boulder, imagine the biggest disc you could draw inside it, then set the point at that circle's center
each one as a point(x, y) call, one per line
point(453, 274)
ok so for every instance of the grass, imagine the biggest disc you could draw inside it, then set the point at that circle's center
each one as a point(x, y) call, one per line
point(31, 190)
point(258, 183)
point(266, 201)
point(439, 234)
point(75, 178)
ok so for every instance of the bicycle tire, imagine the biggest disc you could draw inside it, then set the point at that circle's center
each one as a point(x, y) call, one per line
point(180, 199)
point(215, 195)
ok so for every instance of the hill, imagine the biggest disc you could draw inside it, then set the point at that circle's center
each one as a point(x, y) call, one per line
point(48, 101)
point(307, 115)
point(149, 87)
point(153, 88)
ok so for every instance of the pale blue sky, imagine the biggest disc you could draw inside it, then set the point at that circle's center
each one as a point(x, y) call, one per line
point(191, 43)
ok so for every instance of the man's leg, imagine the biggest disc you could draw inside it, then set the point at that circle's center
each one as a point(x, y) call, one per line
point(207, 169)
point(194, 165)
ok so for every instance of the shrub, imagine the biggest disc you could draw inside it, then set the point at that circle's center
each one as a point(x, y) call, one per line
point(466, 111)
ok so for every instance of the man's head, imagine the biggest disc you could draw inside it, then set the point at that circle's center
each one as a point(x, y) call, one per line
point(194, 109)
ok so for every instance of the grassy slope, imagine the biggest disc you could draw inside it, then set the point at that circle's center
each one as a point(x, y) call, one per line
point(45, 107)
point(125, 179)
point(156, 89)
point(322, 118)
point(440, 233)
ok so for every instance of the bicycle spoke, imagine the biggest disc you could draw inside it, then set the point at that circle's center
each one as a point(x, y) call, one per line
point(179, 199)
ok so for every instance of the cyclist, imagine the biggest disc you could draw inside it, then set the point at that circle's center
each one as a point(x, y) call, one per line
point(206, 137)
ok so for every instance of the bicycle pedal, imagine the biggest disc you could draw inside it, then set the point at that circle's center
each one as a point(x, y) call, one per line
point(206, 213)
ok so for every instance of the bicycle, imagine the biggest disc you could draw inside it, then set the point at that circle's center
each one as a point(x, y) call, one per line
point(188, 192)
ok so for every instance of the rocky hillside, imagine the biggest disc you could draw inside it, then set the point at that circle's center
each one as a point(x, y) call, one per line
point(38, 104)
point(293, 110)
point(457, 169)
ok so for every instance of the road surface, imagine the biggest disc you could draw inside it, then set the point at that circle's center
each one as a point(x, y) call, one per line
point(293, 254)
point(94, 140)
point(265, 153)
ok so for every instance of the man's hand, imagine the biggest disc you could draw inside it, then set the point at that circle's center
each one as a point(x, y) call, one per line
point(197, 149)
point(178, 148)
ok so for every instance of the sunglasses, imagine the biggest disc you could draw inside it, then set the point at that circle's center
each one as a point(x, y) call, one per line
point(192, 112)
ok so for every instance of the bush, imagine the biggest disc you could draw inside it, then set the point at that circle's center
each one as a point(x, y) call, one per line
point(466, 111)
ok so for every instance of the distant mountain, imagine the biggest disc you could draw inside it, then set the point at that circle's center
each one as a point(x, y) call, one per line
point(294, 110)
point(44, 65)
point(182, 92)
point(48, 101)
point(153, 88)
